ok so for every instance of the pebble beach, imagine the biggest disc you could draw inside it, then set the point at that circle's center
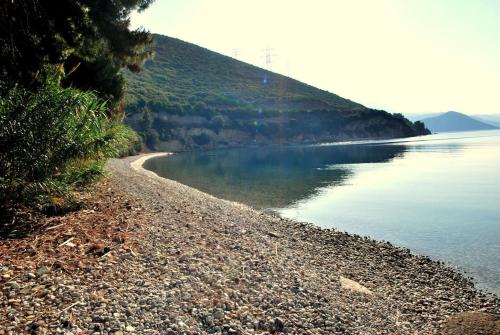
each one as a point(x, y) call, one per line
point(191, 263)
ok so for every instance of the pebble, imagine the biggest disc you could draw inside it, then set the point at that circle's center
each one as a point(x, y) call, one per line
point(42, 270)
point(208, 266)
point(14, 285)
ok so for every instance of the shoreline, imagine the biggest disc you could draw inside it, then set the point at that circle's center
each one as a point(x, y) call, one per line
point(137, 164)
point(349, 281)
point(169, 259)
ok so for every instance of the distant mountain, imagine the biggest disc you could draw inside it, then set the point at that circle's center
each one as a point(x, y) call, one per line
point(454, 121)
point(189, 97)
point(419, 116)
point(494, 120)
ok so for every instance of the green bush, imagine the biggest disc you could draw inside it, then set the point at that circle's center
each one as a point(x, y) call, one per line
point(152, 138)
point(217, 123)
point(52, 140)
point(201, 139)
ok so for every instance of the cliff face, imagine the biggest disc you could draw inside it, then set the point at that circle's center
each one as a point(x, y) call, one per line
point(189, 97)
point(180, 132)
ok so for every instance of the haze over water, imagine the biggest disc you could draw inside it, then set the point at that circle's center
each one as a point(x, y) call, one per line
point(438, 195)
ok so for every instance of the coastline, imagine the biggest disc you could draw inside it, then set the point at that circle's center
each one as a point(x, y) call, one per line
point(138, 166)
point(345, 280)
point(139, 160)
point(192, 263)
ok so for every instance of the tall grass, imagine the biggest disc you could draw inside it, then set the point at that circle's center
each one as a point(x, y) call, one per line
point(52, 140)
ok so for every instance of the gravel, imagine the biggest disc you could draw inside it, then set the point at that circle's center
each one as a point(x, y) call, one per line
point(210, 266)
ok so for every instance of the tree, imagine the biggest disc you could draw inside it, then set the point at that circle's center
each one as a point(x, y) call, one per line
point(90, 37)
point(152, 138)
point(421, 129)
point(146, 122)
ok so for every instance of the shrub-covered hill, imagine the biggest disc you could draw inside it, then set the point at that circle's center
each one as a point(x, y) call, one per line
point(189, 97)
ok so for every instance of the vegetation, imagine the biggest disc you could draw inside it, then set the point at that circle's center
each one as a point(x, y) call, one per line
point(192, 95)
point(61, 95)
point(90, 38)
point(186, 78)
point(52, 140)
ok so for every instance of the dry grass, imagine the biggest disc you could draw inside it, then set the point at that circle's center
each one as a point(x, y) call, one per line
point(74, 241)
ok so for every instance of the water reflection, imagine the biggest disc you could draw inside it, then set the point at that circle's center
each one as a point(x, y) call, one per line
point(438, 195)
point(270, 177)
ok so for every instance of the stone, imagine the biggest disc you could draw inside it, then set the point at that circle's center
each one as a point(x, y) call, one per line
point(14, 285)
point(352, 285)
point(42, 270)
point(203, 281)
point(219, 315)
point(130, 329)
point(472, 323)
point(279, 325)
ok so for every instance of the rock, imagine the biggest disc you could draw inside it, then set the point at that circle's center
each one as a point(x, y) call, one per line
point(130, 329)
point(273, 234)
point(352, 285)
point(218, 315)
point(14, 285)
point(472, 323)
point(42, 270)
point(279, 326)
point(25, 290)
point(33, 328)
point(223, 275)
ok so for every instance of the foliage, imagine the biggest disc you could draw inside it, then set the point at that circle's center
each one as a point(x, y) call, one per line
point(52, 140)
point(217, 123)
point(419, 126)
point(184, 78)
point(91, 38)
point(201, 139)
point(211, 92)
point(151, 138)
point(135, 143)
point(421, 129)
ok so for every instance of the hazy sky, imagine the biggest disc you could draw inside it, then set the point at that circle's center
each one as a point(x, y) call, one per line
point(399, 55)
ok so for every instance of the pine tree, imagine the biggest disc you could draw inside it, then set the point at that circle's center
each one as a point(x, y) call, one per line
point(92, 38)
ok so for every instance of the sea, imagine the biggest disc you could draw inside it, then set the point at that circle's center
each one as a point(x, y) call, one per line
point(438, 195)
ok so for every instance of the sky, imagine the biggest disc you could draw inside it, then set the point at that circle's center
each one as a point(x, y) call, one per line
point(407, 56)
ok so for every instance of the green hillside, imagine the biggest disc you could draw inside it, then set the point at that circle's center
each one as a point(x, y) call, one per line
point(189, 97)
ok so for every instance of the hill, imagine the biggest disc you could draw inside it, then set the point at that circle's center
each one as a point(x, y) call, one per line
point(454, 121)
point(491, 119)
point(418, 116)
point(190, 97)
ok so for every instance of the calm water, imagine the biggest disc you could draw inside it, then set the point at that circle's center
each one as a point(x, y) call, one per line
point(438, 195)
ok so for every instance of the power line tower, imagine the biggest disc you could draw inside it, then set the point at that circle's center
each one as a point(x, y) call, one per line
point(268, 56)
point(236, 52)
